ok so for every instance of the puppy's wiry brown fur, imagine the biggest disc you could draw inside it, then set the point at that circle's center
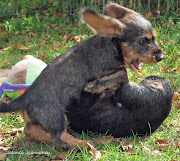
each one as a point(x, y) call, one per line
point(121, 40)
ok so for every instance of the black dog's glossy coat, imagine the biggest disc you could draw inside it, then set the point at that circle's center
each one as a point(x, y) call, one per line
point(135, 108)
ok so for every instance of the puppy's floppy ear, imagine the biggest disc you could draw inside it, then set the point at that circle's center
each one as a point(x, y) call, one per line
point(116, 11)
point(101, 24)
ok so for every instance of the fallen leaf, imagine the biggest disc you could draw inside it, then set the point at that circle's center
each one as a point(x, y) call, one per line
point(42, 44)
point(20, 47)
point(103, 139)
point(44, 57)
point(163, 144)
point(23, 48)
point(120, 139)
point(63, 155)
point(179, 89)
point(94, 152)
point(162, 42)
point(140, 72)
point(176, 96)
point(78, 39)
point(54, 13)
point(149, 15)
point(5, 49)
point(127, 146)
point(1, 26)
point(36, 6)
point(2, 33)
point(155, 152)
point(53, 25)
point(146, 148)
point(68, 37)
point(45, 11)
point(178, 107)
point(56, 45)
point(51, 1)
point(178, 144)
point(174, 122)
point(26, 38)
point(166, 70)
point(166, 21)
point(3, 152)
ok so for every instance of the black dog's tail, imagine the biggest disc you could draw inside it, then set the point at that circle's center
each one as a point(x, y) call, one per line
point(13, 105)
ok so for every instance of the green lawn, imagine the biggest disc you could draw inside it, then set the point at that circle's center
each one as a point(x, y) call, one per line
point(48, 36)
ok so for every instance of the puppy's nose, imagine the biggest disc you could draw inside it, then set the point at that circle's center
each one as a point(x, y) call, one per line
point(159, 57)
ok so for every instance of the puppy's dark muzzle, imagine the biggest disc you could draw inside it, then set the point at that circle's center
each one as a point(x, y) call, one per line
point(159, 55)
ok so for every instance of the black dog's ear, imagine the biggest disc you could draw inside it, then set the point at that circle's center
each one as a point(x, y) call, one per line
point(101, 24)
point(118, 12)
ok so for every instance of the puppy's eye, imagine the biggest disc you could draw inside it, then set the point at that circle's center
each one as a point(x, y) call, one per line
point(144, 41)
point(153, 38)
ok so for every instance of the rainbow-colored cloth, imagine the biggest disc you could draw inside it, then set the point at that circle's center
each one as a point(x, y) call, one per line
point(12, 90)
point(21, 76)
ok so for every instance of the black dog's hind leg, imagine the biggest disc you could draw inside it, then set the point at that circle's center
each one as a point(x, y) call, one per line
point(112, 81)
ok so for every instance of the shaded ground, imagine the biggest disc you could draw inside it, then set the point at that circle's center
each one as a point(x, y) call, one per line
point(3, 74)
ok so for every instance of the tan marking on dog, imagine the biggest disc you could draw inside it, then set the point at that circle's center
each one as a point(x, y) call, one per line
point(73, 142)
point(92, 87)
point(101, 24)
point(35, 133)
point(117, 11)
point(159, 85)
point(148, 36)
point(154, 33)
point(130, 55)
point(25, 116)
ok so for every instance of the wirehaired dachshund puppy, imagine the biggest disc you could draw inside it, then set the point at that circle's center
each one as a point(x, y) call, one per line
point(123, 38)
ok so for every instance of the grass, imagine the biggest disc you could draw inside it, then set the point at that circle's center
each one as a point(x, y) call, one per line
point(47, 36)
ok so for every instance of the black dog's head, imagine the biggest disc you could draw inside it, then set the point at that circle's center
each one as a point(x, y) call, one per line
point(158, 83)
point(136, 34)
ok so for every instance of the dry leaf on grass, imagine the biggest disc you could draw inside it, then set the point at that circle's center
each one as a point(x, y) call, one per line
point(44, 57)
point(2, 33)
point(103, 139)
point(149, 15)
point(5, 49)
point(68, 37)
point(178, 143)
point(178, 107)
point(127, 146)
point(176, 96)
point(61, 156)
point(24, 48)
point(163, 144)
point(155, 152)
point(56, 45)
point(166, 70)
point(146, 148)
point(3, 152)
point(179, 89)
point(95, 153)
point(77, 39)
point(174, 122)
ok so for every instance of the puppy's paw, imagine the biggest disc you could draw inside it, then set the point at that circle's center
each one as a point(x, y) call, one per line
point(94, 87)
point(99, 86)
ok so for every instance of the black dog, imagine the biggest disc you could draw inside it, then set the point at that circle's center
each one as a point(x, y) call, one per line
point(124, 38)
point(135, 108)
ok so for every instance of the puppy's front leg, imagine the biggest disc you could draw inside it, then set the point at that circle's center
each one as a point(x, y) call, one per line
point(112, 82)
